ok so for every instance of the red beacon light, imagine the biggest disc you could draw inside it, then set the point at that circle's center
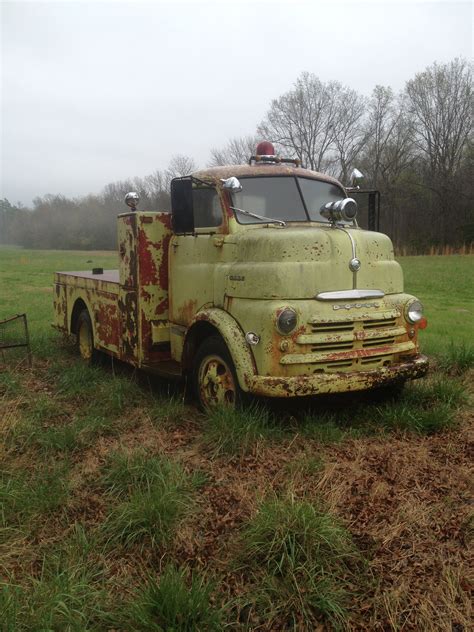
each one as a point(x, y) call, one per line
point(265, 154)
point(265, 148)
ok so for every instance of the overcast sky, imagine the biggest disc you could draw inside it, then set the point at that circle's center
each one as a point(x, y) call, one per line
point(94, 92)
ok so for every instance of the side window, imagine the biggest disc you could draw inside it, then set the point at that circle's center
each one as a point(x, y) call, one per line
point(207, 208)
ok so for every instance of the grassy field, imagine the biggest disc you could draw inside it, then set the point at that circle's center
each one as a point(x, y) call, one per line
point(121, 508)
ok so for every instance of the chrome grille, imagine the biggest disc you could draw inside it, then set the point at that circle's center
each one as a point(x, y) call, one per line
point(378, 342)
point(334, 327)
point(330, 346)
point(346, 345)
point(379, 322)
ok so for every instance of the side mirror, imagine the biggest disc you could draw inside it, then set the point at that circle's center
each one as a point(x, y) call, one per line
point(132, 199)
point(232, 184)
point(356, 177)
point(182, 218)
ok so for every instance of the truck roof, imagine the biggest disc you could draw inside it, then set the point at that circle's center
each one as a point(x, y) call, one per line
point(261, 169)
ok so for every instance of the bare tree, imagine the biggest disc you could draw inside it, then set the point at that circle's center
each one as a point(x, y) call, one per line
point(349, 132)
point(440, 103)
point(302, 121)
point(397, 154)
point(388, 137)
point(178, 166)
point(381, 121)
point(157, 185)
point(236, 152)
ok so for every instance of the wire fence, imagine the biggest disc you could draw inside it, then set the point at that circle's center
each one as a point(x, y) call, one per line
point(14, 335)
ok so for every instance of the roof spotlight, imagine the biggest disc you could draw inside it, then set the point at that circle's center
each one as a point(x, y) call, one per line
point(340, 211)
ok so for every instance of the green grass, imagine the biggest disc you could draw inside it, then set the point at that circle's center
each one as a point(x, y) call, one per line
point(424, 407)
point(445, 286)
point(239, 432)
point(26, 496)
point(155, 494)
point(10, 384)
point(76, 435)
point(125, 472)
point(106, 393)
point(133, 497)
point(26, 285)
point(167, 409)
point(457, 359)
point(62, 597)
point(305, 556)
point(326, 428)
point(179, 601)
point(44, 409)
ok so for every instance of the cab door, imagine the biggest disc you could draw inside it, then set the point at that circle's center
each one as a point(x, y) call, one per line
point(196, 248)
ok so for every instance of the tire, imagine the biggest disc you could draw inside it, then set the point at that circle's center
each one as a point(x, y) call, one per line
point(85, 337)
point(213, 377)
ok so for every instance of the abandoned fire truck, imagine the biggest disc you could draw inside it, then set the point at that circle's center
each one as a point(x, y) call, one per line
point(259, 282)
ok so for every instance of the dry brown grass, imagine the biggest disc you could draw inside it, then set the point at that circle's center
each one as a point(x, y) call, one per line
point(405, 498)
point(409, 499)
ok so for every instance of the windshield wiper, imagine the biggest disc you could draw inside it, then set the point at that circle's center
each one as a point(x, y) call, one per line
point(267, 220)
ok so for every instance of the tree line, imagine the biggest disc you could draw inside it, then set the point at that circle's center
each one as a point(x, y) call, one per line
point(416, 147)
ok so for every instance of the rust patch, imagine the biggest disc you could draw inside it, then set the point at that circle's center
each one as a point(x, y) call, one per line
point(127, 230)
point(305, 385)
point(60, 307)
point(162, 307)
point(186, 312)
point(108, 325)
point(148, 353)
point(163, 275)
point(129, 329)
point(147, 270)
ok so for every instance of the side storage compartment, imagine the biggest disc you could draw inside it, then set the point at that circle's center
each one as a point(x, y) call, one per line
point(153, 237)
point(143, 240)
point(128, 288)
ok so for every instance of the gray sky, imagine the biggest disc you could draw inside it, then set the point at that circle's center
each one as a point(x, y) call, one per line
point(94, 92)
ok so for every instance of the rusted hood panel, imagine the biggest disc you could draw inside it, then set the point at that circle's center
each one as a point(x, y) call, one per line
point(301, 261)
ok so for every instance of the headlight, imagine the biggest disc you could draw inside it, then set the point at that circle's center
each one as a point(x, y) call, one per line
point(414, 311)
point(286, 321)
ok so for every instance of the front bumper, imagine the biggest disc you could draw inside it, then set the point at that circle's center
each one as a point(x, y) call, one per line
point(304, 385)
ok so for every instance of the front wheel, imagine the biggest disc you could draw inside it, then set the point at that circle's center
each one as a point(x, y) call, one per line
point(214, 379)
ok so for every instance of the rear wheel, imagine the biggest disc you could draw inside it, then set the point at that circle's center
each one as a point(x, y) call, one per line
point(214, 378)
point(85, 337)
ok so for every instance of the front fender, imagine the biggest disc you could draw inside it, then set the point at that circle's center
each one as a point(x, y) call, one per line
point(234, 338)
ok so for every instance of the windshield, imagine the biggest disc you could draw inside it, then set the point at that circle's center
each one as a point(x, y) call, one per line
point(280, 198)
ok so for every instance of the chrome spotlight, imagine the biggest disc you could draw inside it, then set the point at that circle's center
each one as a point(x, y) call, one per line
point(132, 199)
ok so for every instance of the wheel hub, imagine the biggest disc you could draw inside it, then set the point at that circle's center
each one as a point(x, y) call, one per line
point(216, 382)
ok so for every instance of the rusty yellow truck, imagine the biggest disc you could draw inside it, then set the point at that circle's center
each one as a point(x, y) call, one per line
point(258, 282)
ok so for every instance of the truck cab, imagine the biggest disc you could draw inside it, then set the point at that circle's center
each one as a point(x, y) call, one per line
point(259, 281)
